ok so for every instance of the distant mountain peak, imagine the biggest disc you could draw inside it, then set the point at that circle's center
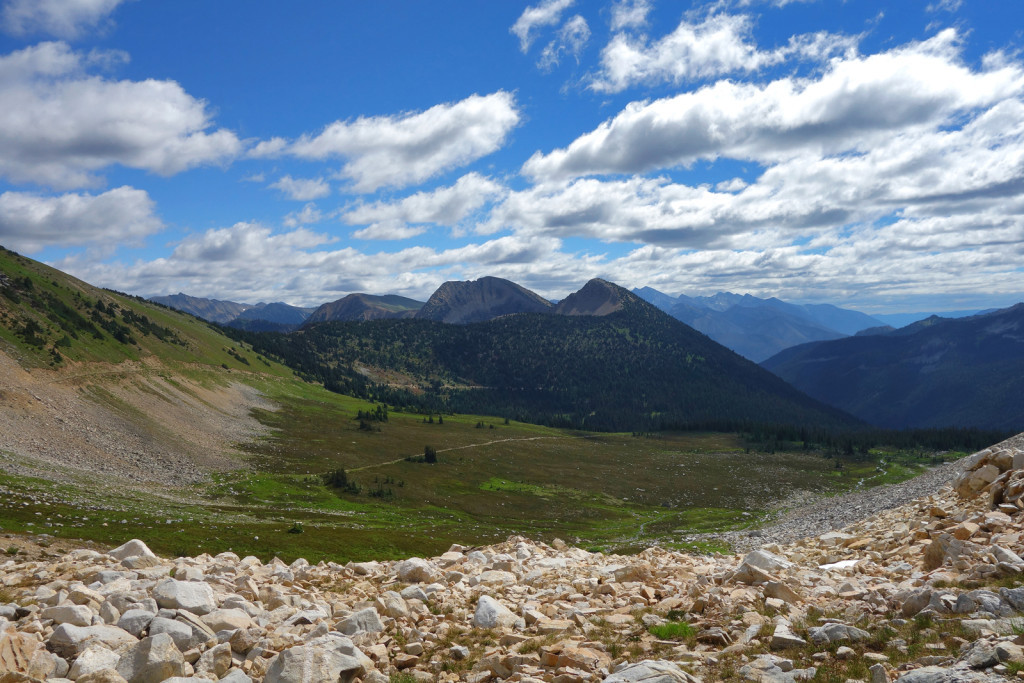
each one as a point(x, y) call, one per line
point(597, 297)
point(361, 306)
point(470, 301)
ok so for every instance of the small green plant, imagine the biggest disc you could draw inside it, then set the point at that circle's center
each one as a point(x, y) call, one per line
point(674, 630)
point(13, 550)
point(296, 528)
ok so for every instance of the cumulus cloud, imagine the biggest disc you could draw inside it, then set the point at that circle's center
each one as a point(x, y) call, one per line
point(61, 18)
point(30, 222)
point(629, 14)
point(250, 261)
point(68, 124)
point(571, 39)
point(547, 13)
point(309, 213)
point(405, 218)
point(720, 44)
point(302, 189)
point(857, 103)
point(407, 149)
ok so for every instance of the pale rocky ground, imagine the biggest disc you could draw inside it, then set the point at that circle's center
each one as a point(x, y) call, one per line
point(921, 592)
point(126, 422)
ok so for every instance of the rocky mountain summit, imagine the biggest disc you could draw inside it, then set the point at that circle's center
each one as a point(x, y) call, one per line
point(924, 592)
point(478, 300)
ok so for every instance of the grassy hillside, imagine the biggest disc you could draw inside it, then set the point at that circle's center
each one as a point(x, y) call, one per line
point(50, 319)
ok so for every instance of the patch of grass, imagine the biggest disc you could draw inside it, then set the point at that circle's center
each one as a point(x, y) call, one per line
point(674, 630)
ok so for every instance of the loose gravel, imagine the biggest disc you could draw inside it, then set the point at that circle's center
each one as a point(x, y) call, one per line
point(806, 514)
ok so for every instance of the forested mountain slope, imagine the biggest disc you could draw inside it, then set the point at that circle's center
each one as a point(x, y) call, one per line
point(634, 368)
point(965, 372)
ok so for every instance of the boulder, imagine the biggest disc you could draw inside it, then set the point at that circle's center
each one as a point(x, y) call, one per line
point(95, 658)
point(227, 620)
point(363, 621)
point(391, 604)
point(651, 671)
point(836, 633)
point(234, 676)
point(76, 615)
point(779, 590)
point(784, 637)
point(70, 641)
point(192, 596)
point(182, 634)
point(766, 561)
point(135, 621)
point(133, 548)
point(492, 614)
point(102, 676)
point(152, 660)
point(328, 659)
point(17, 651)
point(215, 661)
point(415, 570)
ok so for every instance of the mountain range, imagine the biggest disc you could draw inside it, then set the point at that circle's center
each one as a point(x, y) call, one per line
point(759, 328)
point(755, 328)
point(602, 359)
point(936, 372)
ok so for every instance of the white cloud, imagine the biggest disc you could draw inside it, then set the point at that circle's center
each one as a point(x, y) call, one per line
point(571, 39)
point(389, 230)
point(403, 150)
point(268, 148)
point(309, 213)
point(944, 6)
point(61, 18)
point(629, 14)
point(732, 185)
point(720, 44)
point(249, 261)
point(547, 13)
point(443, 206)
point(856, 104)
point(30, 222)
point(302, 189)
point(69, 124)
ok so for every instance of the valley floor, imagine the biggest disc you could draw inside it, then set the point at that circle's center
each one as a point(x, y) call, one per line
point(930, 591)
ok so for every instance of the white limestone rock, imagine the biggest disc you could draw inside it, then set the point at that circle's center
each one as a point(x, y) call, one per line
point(328, 659)
point(70, 641)
point(152, 660)
point(651, 671)
point(76, 615)
point(492, 614)
point(363, 621)
point(95, 658)
point(415, 570)
point(192, 596)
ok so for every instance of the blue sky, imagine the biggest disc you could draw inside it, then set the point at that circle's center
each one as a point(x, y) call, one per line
point(868, 154)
